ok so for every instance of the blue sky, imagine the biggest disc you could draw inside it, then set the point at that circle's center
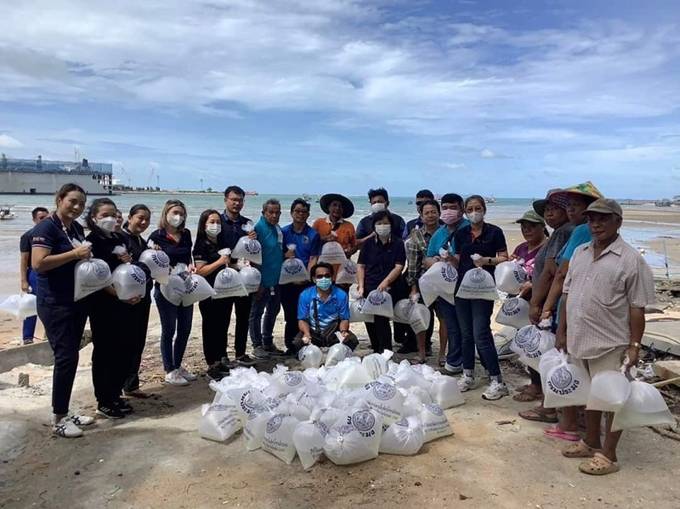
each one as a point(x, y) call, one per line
point(290, 96)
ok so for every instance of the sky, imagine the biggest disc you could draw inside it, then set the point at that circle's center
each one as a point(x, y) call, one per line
point(310, 96)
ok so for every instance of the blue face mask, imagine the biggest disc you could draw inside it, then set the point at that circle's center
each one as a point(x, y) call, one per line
point(324, 283)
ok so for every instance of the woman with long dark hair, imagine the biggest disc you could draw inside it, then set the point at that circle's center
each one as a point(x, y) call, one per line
point(55, 251)
point(110, 318)
point(214, 312)
point(174, 239)
point(137, 222)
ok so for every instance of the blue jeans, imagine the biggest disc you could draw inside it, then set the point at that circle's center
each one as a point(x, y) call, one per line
point(264, 303)
point(447, 312)
point(29, 323)
point(173, 318)
point(474, 318)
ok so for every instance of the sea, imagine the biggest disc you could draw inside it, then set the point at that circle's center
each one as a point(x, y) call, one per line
point(503, 212)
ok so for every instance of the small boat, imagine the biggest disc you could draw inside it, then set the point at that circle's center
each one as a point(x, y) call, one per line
point(490, 199)
point(6, 213)
point(307, 197)
point(252, 193)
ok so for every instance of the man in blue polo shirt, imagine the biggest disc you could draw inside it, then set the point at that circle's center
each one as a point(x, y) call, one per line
point(323, 310)
point(267, 300)
point(307, 249)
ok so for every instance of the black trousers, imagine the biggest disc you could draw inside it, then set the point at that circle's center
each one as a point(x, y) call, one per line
point(380, 334)
point(64, 325)
point(290, 294)
point(110, 321)
point(139, 325)
point(215, 327)
point(325, 338)
point(216, 315)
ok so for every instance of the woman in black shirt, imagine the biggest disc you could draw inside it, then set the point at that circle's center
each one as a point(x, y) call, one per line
point(381, 261)
point(474, 315)
point(110, 318)
point(215, 312)
point(137, 223)
point(174, 239)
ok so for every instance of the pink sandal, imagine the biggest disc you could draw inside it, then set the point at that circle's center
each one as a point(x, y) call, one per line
point(557, 432)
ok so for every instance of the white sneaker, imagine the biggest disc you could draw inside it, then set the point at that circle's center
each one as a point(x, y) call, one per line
point(466, 382)
point(66, 428)
point(82, 420)
point(495, 390)
point(189, 377)
point(174, 378)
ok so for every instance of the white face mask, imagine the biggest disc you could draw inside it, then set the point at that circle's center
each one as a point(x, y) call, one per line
point(383, 230)
point(475, 217)
point(378, 207)
point(213, 229)
point(175, 219)
point(107, 224)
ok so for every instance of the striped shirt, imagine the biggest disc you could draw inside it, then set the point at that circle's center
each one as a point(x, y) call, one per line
point(600, 292)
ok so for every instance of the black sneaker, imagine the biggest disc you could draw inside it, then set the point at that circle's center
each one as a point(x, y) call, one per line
point(225, 365)
point(215, 373)
point(271, 349)
point(124, 406)
point(110, 412)
point(245, 360)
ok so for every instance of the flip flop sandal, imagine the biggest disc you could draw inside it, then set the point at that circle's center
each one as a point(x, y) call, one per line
point(442, 361)
point(415, 362)
point(538, 416)
point(599, 464)
point(579, 450)
point(556, 432)
point(526, 397)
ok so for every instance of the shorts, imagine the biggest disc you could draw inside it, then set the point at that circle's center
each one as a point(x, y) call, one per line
point(611, 361)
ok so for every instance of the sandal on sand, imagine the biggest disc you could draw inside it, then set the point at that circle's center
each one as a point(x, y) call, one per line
point(579, 450)
point(536, 415)
point(442, 361)
point(417, 361)
point(527, 395)
point(599, 465)
point(557, 432)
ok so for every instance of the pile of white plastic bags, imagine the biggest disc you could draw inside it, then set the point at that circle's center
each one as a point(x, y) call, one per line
point(348, 410)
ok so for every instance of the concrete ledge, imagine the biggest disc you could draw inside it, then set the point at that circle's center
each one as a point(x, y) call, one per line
point(37, 353)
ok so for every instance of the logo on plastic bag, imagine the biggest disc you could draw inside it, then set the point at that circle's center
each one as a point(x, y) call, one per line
point(562, 382)
point(477, 276)
point(384, 392)
point(350, 268)
point(292, 268)
point(190, 285)
point(511, 307)
point(292, 378)
point(449, 273)
point(274, 423)
point(527, 336)
point(377, 298)
point(435, 409)
point(252, 247)
point(101, 270)
point(363, 421)
point(138, 275)
point(161, 259)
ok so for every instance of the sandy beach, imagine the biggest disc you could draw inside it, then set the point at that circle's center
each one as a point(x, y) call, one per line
point(179, 469)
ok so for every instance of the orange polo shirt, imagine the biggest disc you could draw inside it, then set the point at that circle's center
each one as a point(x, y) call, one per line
point(345, 232)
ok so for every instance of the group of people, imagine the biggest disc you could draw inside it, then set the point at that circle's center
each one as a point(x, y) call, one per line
point(586, 284)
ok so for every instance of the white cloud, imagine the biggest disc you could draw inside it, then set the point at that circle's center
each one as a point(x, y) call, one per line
point(6, 141)
point(454, 166)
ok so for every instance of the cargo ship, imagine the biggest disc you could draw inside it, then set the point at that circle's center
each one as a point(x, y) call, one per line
point(38, 176)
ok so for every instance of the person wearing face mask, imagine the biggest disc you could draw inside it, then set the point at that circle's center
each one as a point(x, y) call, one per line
point(137, 222)
point(213, 311)
point(110, 318)
point(442, 249)
point(474, 315)
point(323, 310)
point(55, 251)
point(381, 262)
point(578, 198)
point(307, 249)
point(174, 239)
point(380, 202)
